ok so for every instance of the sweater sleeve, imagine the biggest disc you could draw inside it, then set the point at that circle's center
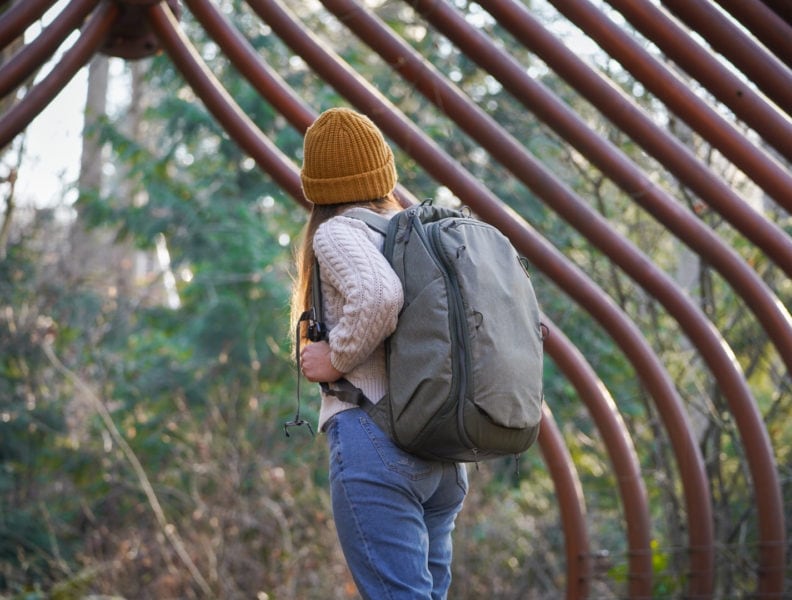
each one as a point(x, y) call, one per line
point(367, 290)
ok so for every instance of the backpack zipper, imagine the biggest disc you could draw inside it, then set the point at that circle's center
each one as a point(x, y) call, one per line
point(456, 315)
point(458, 330)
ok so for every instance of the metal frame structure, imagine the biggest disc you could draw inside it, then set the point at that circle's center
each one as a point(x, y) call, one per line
point(761, 46)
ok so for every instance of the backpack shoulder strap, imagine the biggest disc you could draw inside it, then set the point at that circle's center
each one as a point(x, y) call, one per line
point(377, 222)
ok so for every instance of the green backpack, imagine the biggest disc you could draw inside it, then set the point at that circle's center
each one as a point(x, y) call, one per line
point(465, 360)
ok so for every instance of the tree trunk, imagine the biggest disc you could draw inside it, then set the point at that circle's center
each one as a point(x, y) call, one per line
point(91, 252)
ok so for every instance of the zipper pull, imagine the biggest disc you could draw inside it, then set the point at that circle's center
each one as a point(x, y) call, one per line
point(405, 236)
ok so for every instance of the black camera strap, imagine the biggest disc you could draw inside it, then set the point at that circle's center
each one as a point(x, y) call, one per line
point(317, 331)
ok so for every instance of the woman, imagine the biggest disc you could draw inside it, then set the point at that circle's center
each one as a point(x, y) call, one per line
point(394, 512)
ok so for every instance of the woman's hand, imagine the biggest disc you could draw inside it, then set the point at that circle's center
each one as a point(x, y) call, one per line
point(316, 365)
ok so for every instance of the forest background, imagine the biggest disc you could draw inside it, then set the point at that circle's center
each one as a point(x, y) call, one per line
point(145, 353)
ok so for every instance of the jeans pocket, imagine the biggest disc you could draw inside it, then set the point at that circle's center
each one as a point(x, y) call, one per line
point(394, 458)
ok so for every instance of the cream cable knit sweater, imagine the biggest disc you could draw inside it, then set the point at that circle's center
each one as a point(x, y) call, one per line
point(362, 298)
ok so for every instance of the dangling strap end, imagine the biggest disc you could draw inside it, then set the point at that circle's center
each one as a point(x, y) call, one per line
point(297, 422)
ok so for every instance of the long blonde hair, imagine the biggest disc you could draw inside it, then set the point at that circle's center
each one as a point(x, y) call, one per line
point(301, 299)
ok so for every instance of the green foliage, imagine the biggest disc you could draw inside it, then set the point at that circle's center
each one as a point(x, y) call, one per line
point(34, 451)
point(666, 584)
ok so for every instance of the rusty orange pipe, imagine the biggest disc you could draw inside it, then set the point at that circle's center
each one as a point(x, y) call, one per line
point(19, 17)
point(547, 258)
point(712, 346)
point(34, 54)
point(763, 69)
point(675, 156)
point(656, 77)
point(621, 453)
point(749, 106)
point(268, 83)
point(220, 103)
point(765, 24)
point(93, 35)
point(571, 505)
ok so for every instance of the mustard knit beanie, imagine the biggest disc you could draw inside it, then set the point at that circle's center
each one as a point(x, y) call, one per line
point(346, 159)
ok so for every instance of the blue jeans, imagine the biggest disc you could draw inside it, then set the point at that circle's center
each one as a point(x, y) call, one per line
point(394, 512)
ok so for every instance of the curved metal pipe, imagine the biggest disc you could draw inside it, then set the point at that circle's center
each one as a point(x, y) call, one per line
point(513, 155)
point(758, 446)
point(550, 441)
point(729, 89)
point(765, 24)
point(40, 95)
point(590, 223)
point(621, 453)
point(267, 82)
point(765, 70)
point(764, 170)
point(220, 103)
point(18, 18)
point(753, 433)
point(37, 52)
point(770, 311)
point(571, 505)
point(546, 257)
point(669, 151)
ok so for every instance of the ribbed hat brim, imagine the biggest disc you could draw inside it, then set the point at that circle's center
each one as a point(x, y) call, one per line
point(352, 188)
